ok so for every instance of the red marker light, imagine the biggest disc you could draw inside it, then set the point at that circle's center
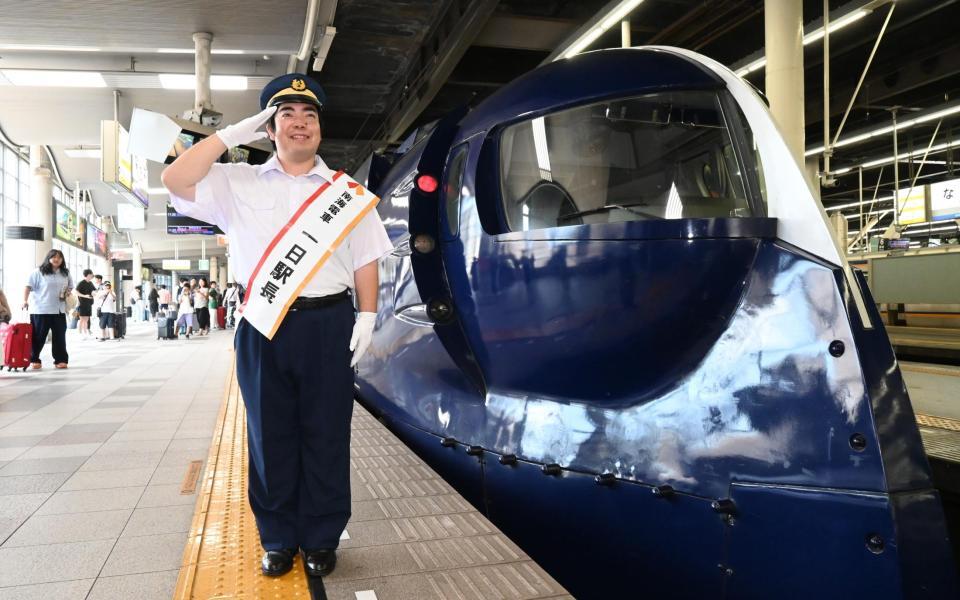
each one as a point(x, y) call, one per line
point(427, 184)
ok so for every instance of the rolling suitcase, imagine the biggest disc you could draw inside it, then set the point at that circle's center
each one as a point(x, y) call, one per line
point(164, 328)
point(119, 325)
point(222, 317)
point(17, 340)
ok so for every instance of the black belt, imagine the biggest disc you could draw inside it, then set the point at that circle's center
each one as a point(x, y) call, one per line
point(308, 303)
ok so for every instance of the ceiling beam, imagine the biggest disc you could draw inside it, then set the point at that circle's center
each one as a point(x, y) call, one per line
point(904, 73)
point(429, 74)
point(524, 33)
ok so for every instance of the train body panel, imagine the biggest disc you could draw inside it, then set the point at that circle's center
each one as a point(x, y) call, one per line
point(600, 330)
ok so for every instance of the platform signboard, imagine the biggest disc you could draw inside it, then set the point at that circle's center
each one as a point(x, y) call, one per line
point(913, 205)
point(171, 264)
point(945, 200)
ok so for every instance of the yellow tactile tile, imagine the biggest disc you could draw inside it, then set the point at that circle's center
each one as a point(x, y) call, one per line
point(938, 422)
point(222, 555)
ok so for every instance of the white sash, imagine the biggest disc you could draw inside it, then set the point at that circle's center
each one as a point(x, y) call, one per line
point(301, 247)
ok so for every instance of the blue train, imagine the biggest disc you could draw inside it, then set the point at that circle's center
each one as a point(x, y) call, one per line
point(616, 321)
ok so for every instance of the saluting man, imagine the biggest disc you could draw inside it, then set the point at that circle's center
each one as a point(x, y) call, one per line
point(297, 380)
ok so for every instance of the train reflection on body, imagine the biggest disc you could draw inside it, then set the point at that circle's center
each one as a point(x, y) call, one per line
point(621, 328)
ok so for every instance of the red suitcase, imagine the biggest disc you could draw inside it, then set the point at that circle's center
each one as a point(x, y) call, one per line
point(17, 341)
point(222, 317)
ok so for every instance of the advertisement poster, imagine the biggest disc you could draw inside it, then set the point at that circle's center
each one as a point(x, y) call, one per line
point(96, 240)
point(66, 224)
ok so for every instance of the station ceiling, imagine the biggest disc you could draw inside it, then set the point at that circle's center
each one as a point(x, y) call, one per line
point(395, 65)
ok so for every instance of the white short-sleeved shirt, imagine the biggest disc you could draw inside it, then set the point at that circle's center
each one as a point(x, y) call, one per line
point(251, 204)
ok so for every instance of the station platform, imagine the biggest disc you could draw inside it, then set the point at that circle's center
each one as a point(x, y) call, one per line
point(925, 343)
point(124, 476)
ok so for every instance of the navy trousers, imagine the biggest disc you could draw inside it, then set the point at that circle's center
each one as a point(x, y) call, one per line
point(298, 392)
point(44, 324)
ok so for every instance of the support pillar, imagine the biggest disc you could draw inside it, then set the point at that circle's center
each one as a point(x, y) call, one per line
point(214, 270)
point(783, 25)
point(222, 275)
point(41, 201)
point(201, 42)
point(137, 256)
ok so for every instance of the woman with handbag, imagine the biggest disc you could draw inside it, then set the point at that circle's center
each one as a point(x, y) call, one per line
point(49, 285)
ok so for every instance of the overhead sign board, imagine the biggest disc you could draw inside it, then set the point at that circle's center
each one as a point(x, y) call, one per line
point(945, 200)
point(170, 264)
point(913, 205)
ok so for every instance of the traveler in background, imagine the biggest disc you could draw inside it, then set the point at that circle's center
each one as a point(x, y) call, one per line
point(49, 284)
point(164, 298)
point(98, 282)
point(201, 295)
point(213, 302)
point(85, 291)
point(106, 304)
point(154, 300)
point(5, 313)
point(136, 308)
point(230, 301)
point(185, 317)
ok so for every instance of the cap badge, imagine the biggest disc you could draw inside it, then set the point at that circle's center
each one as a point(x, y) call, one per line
point(298, 85)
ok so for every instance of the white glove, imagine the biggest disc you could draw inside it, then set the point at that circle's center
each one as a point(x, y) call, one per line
point(362, 335)
point(245, 131)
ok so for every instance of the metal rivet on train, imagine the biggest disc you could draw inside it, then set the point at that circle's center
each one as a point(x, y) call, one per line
point(605, 479)
point(875, 543)
point(448, 442)
point(508, 459)
point(858, 442)
point(724, 506)
point(837, 348)
point(551, 469)
point(440, 310)
point(663, 491)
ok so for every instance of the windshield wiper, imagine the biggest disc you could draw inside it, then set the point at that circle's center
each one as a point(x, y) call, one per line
point(607, 208)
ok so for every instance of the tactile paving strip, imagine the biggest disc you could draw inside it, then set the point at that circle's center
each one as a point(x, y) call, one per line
point(411, 536)
point(222, 556)
point(938, 422)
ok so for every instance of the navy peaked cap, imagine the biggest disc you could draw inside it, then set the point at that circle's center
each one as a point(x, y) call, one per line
point(292, 87)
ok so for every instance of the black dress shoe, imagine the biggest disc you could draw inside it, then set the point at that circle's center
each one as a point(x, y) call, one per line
point(319, 562)
point(277, 562)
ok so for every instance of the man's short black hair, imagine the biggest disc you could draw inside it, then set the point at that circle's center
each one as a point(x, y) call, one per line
point(87, 272)
point(100, 277)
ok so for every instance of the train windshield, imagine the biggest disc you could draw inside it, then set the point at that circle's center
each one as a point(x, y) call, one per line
point(658, 156)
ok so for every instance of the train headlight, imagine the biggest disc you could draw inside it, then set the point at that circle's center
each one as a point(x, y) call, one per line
point(424, 244)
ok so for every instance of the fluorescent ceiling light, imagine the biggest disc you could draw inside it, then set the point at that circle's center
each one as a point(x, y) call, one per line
point(817, 34)
point(889, 159)
point(869, 214)
point(885, 129)
point(48, 48)
point(613, 17)
point(191, 51)
point(811, 37)
point(852, 204)
point(82, 152)
point(183, 81)
point(27, 77)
